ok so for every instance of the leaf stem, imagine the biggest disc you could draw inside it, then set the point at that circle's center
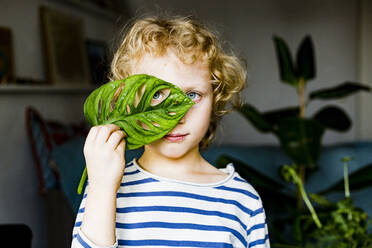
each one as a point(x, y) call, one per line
point(82, 180)
point(301, 173)
point(300, 185)
point(301, 96)
point(301, 100)
point(346, 176)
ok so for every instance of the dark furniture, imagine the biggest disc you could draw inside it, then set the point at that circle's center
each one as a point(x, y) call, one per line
point(15, 235)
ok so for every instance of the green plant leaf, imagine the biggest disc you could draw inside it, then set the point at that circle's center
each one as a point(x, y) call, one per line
point(129, 104)
point(305, 59)
point(301, 139)
point(344, 226)
point(286, 68)
point(359, 179)
point(255, 117)
point(319, 199)
point(333, 117)
point(274, 116)
point(339, 91)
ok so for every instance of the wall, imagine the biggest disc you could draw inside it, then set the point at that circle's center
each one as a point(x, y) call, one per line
point(364, 103)
point(20, 201)
point(248, 27)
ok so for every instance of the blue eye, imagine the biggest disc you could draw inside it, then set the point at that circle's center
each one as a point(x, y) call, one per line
point(192, 95)
point(156, 95)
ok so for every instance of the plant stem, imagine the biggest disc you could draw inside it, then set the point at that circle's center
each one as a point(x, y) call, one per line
point(346, 179)
point(301, 175)
point(82, 181)
point(308, 204)
point(302, 104)
point(306, 199)
point(301, 97)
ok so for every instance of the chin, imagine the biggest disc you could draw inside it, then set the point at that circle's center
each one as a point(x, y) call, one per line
point(171, 150)
point(174, 153)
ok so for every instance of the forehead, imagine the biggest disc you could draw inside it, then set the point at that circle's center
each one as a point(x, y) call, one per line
point(171, 69)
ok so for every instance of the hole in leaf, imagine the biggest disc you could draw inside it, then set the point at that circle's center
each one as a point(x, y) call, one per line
point(155, 124)
point(116, 96)
point(172, 113)
point(128, 109)
point(139, 94)
point(143, 125)
point(161, 96)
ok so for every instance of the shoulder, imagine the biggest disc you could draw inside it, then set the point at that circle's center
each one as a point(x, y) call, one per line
point(251, 197)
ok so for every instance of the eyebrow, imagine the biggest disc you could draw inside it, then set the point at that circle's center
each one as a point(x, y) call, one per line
point(193, 88)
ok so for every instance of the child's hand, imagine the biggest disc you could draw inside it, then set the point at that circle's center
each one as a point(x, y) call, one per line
point(104, 155)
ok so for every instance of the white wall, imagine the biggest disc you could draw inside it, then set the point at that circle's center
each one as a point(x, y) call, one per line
point(248, 26)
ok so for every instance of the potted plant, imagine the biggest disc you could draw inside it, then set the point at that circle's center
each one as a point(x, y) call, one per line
point(300, 138)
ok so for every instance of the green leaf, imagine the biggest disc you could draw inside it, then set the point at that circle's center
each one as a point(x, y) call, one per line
point(129, 104)
point(274, 116)
point(359, 179)
point(286, 68)
point(289, 173)
point(319, 199)
point(255, 117)
point(305, 59)
point(301, 139)
point(334, 118)
point(339, 91)
point(344, 226)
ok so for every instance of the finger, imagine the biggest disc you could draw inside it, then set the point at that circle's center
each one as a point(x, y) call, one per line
point(115, 139)
point(92, 135)
point(121, 146)
point(105, 132)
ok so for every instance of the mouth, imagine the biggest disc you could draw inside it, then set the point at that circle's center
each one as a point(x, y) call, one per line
point(176, 134)
point(175, 137)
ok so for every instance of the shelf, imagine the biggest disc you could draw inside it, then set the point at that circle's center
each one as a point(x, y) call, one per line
point(19, 88)
point(88, 7)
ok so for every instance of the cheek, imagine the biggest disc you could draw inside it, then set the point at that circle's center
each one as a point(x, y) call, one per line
point(200, 115)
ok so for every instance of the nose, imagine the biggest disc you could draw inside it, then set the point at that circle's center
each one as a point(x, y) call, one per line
point(182, 120)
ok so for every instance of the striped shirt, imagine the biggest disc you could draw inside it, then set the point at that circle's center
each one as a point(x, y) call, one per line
point(154, 211)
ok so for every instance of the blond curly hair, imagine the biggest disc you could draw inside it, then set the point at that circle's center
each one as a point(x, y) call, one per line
point(192, 41)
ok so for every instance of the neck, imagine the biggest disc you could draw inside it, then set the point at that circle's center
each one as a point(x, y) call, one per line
point(160, 164)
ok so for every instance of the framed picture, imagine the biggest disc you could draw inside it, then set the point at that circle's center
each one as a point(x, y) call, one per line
point(6, 56)
point(64, 42)
point(98, 61)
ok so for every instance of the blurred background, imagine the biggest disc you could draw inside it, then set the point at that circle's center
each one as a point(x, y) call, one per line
point(53, 53)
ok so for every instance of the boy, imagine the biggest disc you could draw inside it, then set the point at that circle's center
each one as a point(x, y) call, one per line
point(170, 196)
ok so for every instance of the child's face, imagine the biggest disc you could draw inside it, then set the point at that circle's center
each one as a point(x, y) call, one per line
point(194, 80)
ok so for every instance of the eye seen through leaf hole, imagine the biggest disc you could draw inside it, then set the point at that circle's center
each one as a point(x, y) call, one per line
point(159, 96)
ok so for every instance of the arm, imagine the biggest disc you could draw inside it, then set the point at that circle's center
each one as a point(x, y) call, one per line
point(96, 219)
point(257, 231)
point(94, 227)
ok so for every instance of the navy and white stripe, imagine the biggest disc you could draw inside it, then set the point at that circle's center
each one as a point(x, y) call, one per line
point(154, 211)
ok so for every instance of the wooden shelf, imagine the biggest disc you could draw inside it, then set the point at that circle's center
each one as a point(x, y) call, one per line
point(19, 88)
